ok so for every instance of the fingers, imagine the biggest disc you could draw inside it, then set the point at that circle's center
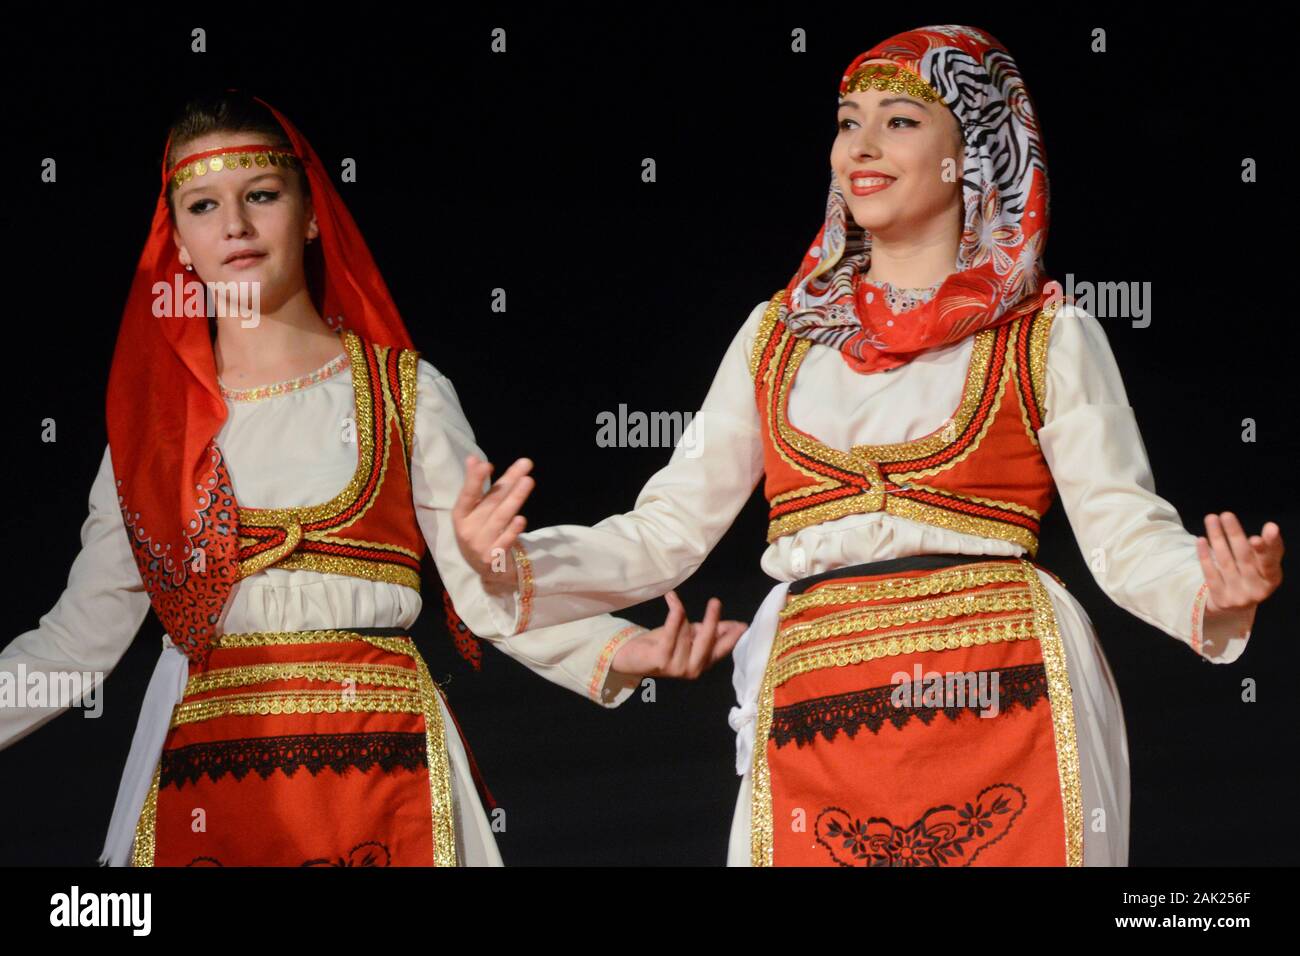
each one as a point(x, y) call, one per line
point(1220, 548)
point(703, 640)
point(673, 633)
point(471, 492)
point(506, 497)
point(681, 652)
point(485, 522)
point(729, 634)
point(1212, 576)
point(1268, 552)
point(1243, 555)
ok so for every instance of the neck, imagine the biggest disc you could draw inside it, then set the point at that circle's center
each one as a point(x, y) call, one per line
point(289, 340)
point(919, 259)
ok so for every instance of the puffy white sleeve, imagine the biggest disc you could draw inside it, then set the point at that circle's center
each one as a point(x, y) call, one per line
point(566, 572)
point(80, 640)
point(575, 655)
point(1131, 538)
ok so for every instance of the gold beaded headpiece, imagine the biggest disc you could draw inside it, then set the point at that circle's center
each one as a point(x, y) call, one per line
point(892, 77)
point(230, 157)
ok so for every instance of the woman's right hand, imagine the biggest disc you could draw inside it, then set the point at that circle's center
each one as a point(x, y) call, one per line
point(488, 524)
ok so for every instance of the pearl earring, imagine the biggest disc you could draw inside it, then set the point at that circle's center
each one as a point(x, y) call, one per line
point(189, 267)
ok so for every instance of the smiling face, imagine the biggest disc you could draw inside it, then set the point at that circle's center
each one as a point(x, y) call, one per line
point(259, 210)
point(888, 159)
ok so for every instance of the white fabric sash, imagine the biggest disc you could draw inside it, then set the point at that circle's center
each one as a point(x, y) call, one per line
point(166, 688)
point(749, 657)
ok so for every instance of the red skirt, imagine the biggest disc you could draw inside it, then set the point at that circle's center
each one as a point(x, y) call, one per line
point(917, 712)
point(308, 748)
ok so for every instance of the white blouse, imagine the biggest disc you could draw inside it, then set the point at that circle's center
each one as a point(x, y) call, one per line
point(286, 450)
point(1133, 540)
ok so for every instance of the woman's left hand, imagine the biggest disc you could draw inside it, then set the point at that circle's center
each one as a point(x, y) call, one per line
point(679, 648)
point(1241, 572)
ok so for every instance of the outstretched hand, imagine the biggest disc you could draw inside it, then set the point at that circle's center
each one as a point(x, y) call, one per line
point(680, 648)
point(488, 524)
point(1241, 572)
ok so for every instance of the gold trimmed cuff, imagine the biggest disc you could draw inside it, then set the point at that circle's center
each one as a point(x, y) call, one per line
point(599, 689)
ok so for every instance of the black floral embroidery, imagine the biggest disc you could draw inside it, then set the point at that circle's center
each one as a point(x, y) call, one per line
point(390, 750)
point(370, 853)
point(942, 835)
point(801, 722)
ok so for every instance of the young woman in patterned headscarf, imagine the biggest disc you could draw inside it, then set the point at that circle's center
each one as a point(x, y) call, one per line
point(916, 689)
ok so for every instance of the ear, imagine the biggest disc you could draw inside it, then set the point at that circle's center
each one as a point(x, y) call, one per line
point(313, 229)
point(184, 253)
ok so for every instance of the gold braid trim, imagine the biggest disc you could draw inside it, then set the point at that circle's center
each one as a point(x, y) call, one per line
point(938, 582)
point(383, 675)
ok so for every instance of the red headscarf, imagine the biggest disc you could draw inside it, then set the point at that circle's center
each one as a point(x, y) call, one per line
point(165, 407)
point(999, 273)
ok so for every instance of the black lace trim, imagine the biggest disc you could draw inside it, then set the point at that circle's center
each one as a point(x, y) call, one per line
point(390, 750)
point(802, 722)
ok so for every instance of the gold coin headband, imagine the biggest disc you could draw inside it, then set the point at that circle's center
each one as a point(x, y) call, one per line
point(230, 157)
point(892, 77)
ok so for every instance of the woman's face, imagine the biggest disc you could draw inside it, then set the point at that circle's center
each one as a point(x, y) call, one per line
point(260, 209)
point(906, 141)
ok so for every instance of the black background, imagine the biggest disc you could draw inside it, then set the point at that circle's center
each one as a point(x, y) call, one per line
point(522, 171)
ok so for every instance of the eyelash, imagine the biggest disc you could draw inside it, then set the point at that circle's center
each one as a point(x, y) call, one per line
point(273, 193)
point(906, 119)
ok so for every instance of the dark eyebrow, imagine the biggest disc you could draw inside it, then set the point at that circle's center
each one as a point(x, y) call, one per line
point(200, 188)
point(888, 101)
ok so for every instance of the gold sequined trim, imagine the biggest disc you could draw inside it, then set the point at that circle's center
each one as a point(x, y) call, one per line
point(408, 374)
point(766, 326)
point(937, 582)
point(1062, 699)
point(259, 392)
point(963, 523)
point(267, 703)
point(383, 675)
point(1019, 628)
point(354, 567)
point(1039, 337)
point(392, 644)
point(144, 845)
point(893, 78)
point(440, 795)
point(872, 619)
point(600, 673)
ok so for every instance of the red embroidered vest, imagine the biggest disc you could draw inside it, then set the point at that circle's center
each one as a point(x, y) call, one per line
point(368, 529)
point(981, 473)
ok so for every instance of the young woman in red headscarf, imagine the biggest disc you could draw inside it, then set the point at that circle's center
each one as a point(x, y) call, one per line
point(270, 489)
point(916, 689)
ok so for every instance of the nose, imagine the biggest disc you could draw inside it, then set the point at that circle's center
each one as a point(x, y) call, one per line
point(863, 145)
point(237, 221)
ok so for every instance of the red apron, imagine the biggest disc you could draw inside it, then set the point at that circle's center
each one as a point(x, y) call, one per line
point(970, 760)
